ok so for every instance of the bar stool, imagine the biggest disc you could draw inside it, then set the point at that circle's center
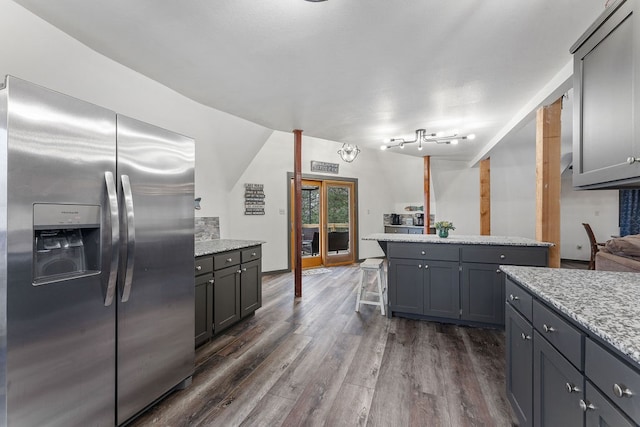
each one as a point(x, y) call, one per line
point(376, 266)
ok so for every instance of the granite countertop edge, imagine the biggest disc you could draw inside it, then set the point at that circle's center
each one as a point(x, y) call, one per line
point(456, 239)
point(601, 302)
point(210, 247)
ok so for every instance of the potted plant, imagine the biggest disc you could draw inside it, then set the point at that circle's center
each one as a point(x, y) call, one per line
point(443, 228)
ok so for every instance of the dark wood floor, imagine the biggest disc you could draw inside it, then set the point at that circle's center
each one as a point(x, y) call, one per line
point(315, 361)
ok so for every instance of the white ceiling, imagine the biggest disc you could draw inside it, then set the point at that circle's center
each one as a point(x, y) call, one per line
point(356, 71)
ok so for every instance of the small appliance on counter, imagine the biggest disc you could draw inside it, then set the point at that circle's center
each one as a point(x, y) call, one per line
point(395, 219)
point(419, 220)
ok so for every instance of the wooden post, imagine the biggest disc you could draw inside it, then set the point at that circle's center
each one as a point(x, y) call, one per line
point(548, 132)
point(297, 211)
point(427, 194)
point(485, 197)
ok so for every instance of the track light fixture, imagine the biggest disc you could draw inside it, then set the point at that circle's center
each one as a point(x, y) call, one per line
point(423, 137)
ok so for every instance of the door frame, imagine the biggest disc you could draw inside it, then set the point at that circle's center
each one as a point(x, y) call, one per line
point(290, 224)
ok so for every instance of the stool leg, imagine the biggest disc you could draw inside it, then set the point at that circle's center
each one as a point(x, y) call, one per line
point(380, 293)
point(360, 288)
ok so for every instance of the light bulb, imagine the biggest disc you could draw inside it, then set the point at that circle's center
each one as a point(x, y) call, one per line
point(454, 141)
point(420, 146)
point(402, 145)
point(472, 136)
point(387, 140)
point(383, 147)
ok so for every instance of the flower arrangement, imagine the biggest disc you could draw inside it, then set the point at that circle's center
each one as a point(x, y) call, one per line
point(444, 225)
point(443, 228)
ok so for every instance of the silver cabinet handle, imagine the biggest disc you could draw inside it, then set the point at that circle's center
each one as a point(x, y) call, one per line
point(131, 237)
point(115, 237)
point(632, 160)
point(229, 260)
point(239, 271)
point(571, 388)
point(502, 256)
point(498, 271)
point(586, 406)
point(423, 253)
point(253, 254)
point(426, 266)
point(513, 297)
point(198, 267)
point(419, 265)
point(525, 336)
point(620, 390)
point(548, 329)
point(211, 281)
point(244, 269)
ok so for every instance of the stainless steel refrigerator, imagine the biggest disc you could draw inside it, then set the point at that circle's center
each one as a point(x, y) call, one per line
point(96, 261)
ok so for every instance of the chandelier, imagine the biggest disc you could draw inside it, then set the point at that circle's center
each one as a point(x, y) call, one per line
point(422, 137)
point(349, 152)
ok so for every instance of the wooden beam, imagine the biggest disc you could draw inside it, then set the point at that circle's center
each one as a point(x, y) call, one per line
point(297, 211)
point(427, 194)
point(485, 197)
point(548, 133)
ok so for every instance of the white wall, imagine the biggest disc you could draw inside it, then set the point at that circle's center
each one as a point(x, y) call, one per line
point(384, 179)
point(457, 193)
point(34, 50)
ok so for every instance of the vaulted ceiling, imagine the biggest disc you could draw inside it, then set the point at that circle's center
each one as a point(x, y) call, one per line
point(355, 71)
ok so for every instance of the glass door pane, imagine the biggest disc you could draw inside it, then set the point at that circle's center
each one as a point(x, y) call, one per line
point(340, 214)
point(311, 220)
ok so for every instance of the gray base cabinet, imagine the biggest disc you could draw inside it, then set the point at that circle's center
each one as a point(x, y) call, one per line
point(453, 282)
point(557, 375)
point(228, 289)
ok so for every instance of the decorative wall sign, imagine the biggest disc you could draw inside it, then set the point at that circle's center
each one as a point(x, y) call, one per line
point(254, 199)
point(324, 167)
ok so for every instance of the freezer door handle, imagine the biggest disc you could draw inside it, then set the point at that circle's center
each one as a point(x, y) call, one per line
point(131, 236)
point(115, 237)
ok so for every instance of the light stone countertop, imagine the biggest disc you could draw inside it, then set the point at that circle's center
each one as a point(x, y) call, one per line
point(604, 303)
point(456, 239)
point(209, 247)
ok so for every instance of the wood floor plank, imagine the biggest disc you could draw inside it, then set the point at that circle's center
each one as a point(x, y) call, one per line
point(315, 361)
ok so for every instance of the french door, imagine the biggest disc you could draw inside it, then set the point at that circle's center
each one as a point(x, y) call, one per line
point(328, 222)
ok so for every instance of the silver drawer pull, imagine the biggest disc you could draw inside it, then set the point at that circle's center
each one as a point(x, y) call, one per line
point(229, 260)
point(498, 271)
point(502, 256)
point(548, 329)
point(632, 160)
point(198, 267)
point(426, 266)
point(419, 265)
point(253, 254)
point(571, 388)
point(621, 390)
point(586, 406)
point(513, 297)
point(525, 336)
point(244, 269)
point(423, 253)
point(211, 281)
point(239, 271)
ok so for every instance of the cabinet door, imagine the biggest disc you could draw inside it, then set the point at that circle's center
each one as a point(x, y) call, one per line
point(442, 289)
point(600, 412)
point(203, 309)
point(604, 82)
point(405, 291)
point(250, 287)
point(482, 293)
point(226, 297)
point(519, 349)
point(557, 387)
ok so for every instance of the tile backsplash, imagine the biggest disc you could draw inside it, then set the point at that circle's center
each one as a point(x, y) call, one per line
point(207, 228)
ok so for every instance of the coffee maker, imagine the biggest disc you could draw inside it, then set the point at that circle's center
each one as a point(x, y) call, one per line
point(395, 219)
point(419, 219)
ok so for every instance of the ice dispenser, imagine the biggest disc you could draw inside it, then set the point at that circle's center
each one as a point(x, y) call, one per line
point(66, 242)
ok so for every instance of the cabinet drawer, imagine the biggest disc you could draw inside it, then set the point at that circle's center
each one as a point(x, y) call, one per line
point(438, 251)
point(613, 377)
point(416, 231)
point(204, 265)
point(251, 253)
point(396, 230)
point(559, 333)
point(226, 259)
point(520, 299)
point(511, 255)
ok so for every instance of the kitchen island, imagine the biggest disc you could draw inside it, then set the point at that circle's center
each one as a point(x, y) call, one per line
point(573, 346)
point(453, 280)
point(228, 280)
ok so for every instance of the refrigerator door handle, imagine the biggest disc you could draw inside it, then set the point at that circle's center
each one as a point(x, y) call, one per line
point(115, 237)
point(131, 236)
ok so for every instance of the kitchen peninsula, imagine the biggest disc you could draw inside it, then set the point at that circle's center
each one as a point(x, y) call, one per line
point(573, 346)
point(228, 284)
point(453, 280)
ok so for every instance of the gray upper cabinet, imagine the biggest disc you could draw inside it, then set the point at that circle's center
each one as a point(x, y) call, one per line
point(606, 143)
